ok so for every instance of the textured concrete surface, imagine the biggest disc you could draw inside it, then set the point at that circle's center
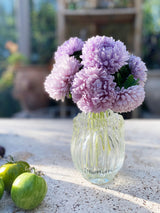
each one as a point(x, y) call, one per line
point(45, 144)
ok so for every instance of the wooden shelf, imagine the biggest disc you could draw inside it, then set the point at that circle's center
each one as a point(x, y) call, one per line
point(96, 17)
point(100, 12)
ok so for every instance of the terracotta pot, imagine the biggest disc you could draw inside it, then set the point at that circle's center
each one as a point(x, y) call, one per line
point(28, 87)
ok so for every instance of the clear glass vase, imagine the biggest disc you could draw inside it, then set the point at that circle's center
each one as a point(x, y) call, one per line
point(98, 147)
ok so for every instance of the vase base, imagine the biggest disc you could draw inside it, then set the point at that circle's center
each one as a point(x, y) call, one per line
point(100, 179)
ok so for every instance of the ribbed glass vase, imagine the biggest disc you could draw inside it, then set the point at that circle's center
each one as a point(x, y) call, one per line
point(98, 147)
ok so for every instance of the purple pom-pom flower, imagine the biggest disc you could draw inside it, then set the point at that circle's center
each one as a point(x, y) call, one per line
point(58, 83)
point(104, 52)
point(70, 46)
point(93, 90)
point(100, 75)
point(138, 69)
point(128, 99)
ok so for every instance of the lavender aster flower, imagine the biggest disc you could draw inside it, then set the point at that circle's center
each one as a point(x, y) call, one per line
point(93, 90)
point(58, 83)
point(138, 69)
point(128, 99)
point(108, 78)
point(70, 46)
point(104, 52)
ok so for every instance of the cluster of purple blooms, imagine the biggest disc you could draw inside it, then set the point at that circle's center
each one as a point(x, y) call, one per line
point(98, 74)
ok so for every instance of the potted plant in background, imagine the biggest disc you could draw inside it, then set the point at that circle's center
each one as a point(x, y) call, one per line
point(27, 80)
point(103, 79)
point(28, 87)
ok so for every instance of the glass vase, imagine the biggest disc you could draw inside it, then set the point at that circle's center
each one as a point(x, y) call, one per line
point(98, 147)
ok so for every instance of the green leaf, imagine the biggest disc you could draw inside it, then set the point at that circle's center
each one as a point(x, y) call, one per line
point(119, 79)
point(122, 75)
point(77, 55)
point(124, 78)
point(130, 82)
point(70, 96)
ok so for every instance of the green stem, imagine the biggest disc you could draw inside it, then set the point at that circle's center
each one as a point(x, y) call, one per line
point(95, 121)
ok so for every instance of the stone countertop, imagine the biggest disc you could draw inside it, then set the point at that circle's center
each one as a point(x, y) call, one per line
point(45, 144)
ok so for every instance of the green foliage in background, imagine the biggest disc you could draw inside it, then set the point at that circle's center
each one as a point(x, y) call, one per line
point(16, 58)
point(43, 25)
point(7, 32)
point(151, 17)
point(151, 33)
point(6, 79)
point(8, 106)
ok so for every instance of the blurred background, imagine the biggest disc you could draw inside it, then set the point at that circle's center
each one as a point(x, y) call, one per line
point(31, 30)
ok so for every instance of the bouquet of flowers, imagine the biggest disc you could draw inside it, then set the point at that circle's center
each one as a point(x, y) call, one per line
point(102, 78)
point(98, 75)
